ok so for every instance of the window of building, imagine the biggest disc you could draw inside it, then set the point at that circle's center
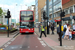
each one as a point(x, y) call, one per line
point(50, 2)
point(74, 8)
point(49, 16)
point(66, 11)
point(50, 11)
point(54, 0)
point(71, 9)
point(56, 14)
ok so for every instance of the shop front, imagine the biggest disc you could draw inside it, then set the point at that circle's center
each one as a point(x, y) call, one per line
point(68, 20)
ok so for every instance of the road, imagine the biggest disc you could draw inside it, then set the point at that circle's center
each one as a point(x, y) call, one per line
point(27, 42)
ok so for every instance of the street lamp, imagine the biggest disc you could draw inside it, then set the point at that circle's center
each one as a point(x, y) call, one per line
point(60, 28)
point(47, 9)
point(52, 11)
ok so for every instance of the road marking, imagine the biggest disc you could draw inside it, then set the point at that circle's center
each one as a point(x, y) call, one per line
point(5, 45)
point(20, 47)
point(35, 34)
point(13, 39)
point(43, 43)
point(12, 47)
point(17, 36)
point(39, 38)
point(28, 46)
point(36, 46)
point(8, 42)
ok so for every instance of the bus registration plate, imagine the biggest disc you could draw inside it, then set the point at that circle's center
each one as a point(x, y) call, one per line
point(27, 32)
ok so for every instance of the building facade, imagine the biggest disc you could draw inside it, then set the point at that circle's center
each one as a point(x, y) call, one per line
point(69, 8)
point(39, 4)
point(54, 12)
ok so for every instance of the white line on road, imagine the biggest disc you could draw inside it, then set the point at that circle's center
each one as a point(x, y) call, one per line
point(20, 47)
point(28, 46)
point(35, 34)
point(36, 46)
point(8, 42)
point(13, 39)
point(5, 45)
point(43, 43)
point(39, 38)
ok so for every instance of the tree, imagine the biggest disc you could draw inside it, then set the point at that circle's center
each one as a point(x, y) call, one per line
point(1, 11)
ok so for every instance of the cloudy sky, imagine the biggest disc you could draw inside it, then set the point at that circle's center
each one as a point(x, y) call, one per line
point(15, 6)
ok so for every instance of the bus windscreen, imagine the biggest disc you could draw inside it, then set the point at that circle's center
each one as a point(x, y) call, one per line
point(26, 15)
point(27, 25)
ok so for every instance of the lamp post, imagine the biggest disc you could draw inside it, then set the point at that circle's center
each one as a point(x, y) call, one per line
point(52, 11)
point(60, 28)
point(47, 9)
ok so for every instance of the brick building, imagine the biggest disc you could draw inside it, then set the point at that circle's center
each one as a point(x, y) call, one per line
point(69, 7)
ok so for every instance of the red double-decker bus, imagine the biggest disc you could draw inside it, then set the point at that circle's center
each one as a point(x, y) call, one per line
point(26, 21)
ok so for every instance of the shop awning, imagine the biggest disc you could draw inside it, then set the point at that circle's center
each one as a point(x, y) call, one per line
point(57, 20)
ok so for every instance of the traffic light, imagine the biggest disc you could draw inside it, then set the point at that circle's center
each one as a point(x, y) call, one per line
point(6, 17)
point(44, 15)
point(8, 14)
point(62, 14)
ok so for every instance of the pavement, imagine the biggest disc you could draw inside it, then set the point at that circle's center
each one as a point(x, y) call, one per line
point(52, 41)
point(4, 38)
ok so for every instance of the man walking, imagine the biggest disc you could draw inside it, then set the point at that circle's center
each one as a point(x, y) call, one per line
point(42, 31)
point(52, 28)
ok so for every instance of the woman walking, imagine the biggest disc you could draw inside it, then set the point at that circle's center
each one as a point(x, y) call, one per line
point(67, 32)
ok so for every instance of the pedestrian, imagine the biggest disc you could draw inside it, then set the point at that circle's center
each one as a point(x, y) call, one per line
point(42, 31)
point(64, 30)
point(70, 34)
point(52, 28)
point(73, 33)
point(39, 27)
point(58, 31)
point(73, 27)
point(67, 32)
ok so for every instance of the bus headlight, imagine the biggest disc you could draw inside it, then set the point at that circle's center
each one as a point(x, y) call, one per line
point(32, 29)
point(21, 29)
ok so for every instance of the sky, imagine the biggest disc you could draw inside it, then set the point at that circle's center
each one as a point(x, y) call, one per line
point(15, 6)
